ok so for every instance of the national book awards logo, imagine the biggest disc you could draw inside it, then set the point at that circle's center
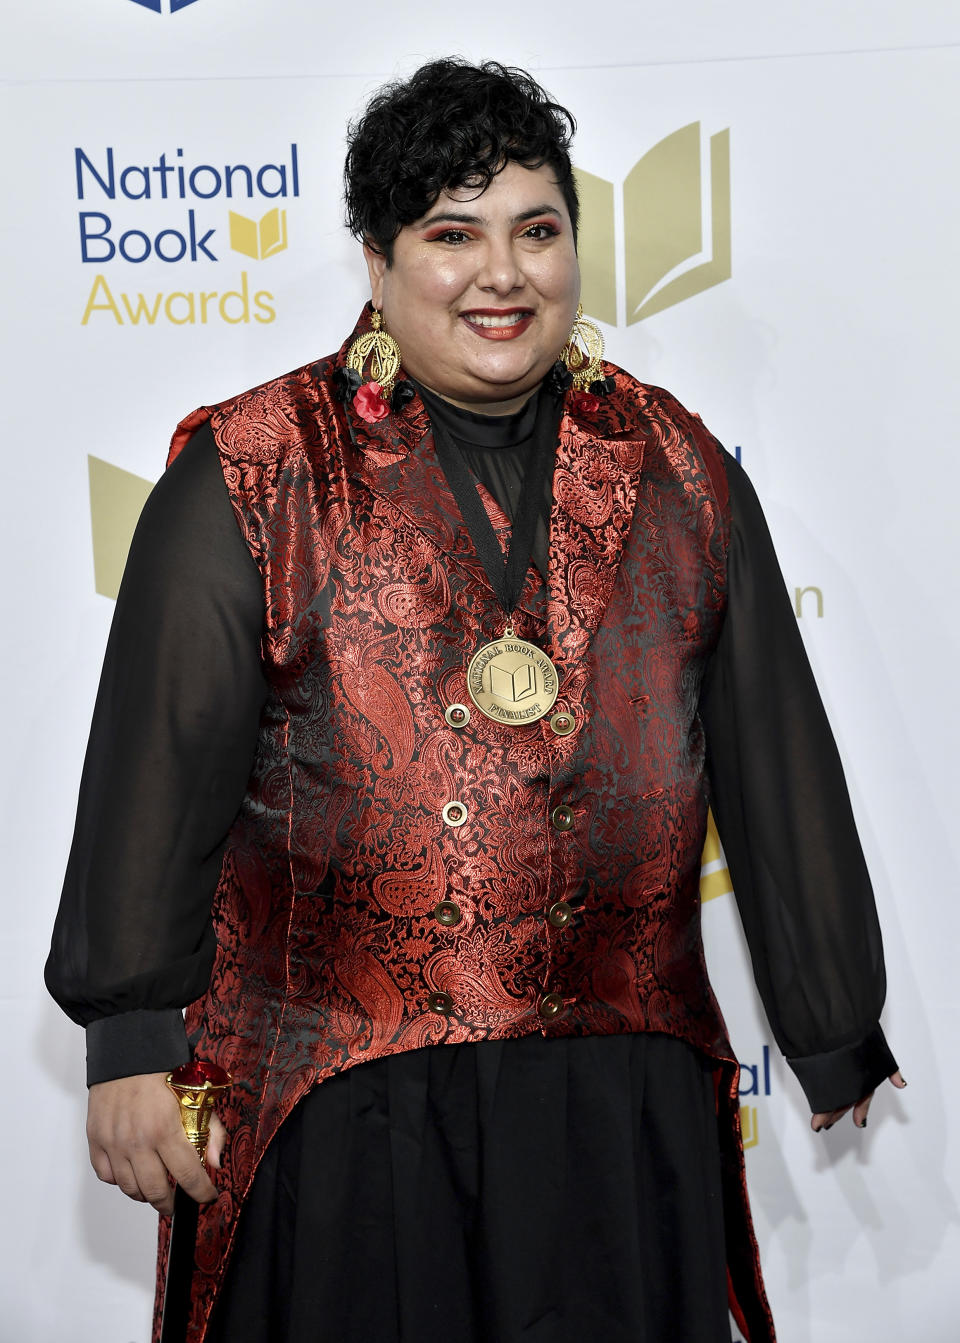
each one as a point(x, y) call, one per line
point(174, 215)
point(673, 212)
point(164, 6)
point(755, 1078)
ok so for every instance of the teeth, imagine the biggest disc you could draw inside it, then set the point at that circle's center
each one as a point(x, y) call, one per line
point(510, 319)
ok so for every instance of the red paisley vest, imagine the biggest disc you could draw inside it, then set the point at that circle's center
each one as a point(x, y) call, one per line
point(353, 919)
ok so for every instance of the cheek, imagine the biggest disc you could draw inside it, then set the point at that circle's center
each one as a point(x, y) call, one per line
point(433, 282)
point(557, 280)
point(442, 283)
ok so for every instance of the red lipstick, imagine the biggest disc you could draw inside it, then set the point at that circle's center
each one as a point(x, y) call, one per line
point(498, 323)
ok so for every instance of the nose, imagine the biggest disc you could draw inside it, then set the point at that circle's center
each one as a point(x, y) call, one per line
point(499, 271)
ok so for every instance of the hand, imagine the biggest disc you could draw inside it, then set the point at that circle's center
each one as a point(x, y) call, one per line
point(136, 1141)
point(822, 1121)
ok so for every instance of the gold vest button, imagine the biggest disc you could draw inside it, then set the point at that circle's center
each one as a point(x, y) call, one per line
point(560, 914)
point(550, 1006)
point(563, 723)
point(447, 913)
point(457, 715)
point(455, 813)
point(440, 1003)
point(562, 818)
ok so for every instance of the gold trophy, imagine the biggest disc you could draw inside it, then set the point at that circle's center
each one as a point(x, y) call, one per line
point(196, 1086)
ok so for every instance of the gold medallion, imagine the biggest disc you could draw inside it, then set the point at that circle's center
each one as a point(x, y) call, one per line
point(512, 681)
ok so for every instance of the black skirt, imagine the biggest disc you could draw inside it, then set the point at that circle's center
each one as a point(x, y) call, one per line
point(523, 1191)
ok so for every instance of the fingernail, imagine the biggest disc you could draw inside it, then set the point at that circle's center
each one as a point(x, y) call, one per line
point(864, 1122)
point(829, 1125)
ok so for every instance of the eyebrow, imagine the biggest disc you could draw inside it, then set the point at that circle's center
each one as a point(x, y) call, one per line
point(451, 217)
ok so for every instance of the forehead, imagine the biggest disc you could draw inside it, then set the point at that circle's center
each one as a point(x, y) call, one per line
point(515, 190)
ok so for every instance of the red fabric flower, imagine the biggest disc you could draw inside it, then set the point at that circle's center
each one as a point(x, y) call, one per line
point(584, 403)
point(369, 402)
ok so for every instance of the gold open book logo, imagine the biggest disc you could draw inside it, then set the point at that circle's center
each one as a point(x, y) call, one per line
point(259, 239)
point(674, 198)
point(749, 1125)
point(512, 680)
point(116, 498)
point(714, 873)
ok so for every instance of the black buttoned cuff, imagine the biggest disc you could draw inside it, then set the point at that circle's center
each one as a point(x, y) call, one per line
point(136, 1042)
point(843, 1076)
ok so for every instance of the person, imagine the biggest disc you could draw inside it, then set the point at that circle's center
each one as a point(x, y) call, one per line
point(427, 659)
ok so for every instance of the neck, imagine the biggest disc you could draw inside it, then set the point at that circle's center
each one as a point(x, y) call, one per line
point(507, 407)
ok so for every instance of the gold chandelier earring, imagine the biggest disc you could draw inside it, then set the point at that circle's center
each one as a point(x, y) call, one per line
point(583, 352)
point(382, 351)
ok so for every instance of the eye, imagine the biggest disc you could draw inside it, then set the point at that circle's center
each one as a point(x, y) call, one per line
point(454, 236)
point(541, 232)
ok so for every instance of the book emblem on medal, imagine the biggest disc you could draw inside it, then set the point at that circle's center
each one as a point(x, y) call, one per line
point(512, 681)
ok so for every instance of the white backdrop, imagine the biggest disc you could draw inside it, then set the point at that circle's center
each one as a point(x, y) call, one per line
point(827, 358)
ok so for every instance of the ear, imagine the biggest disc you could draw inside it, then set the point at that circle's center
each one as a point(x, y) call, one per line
point(376, 266)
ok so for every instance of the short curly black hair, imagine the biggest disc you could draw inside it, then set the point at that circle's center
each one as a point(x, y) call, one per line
point(451, 124)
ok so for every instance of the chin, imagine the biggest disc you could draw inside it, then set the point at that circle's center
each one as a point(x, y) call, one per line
point(511, 380)
point(496, 389)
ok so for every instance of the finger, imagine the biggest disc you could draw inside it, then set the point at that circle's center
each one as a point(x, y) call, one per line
point(101, 1164)
point(127, 1180)
point(860, 1111)
point(217, 1143)
point(819, 1122)
point(153, 1182)
point(897, 1080)
point(183, 1163)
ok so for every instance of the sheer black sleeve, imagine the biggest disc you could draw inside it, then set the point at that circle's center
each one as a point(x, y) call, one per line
point(167, 762)
point(787, 828)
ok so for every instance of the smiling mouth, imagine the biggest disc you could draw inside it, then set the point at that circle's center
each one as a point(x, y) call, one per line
point(499, 325)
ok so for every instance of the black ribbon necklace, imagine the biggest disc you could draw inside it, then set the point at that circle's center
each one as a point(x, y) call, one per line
point(509, 680)
point(506, 576)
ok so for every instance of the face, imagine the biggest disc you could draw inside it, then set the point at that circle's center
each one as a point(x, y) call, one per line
point(482, 291)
